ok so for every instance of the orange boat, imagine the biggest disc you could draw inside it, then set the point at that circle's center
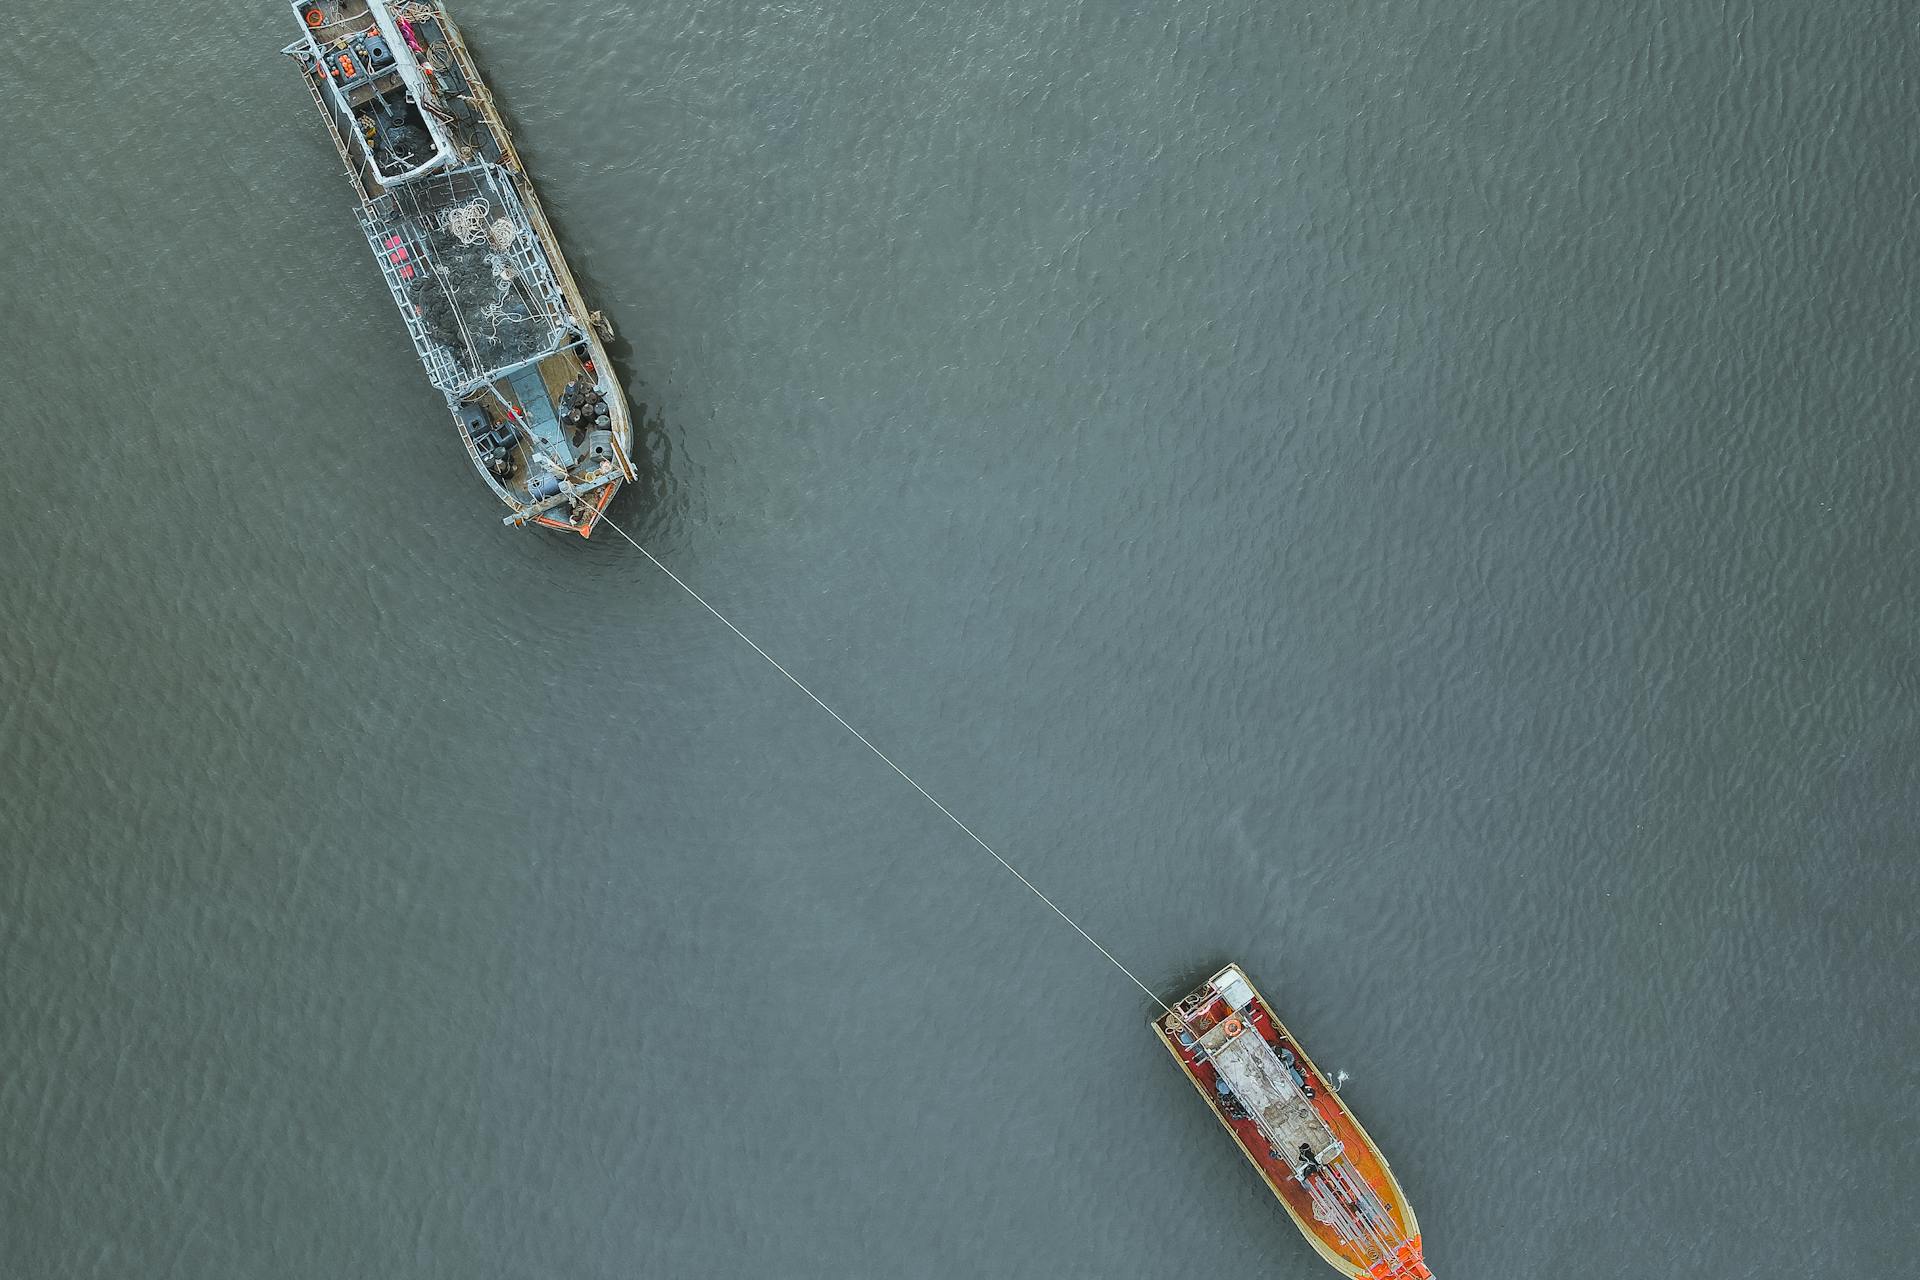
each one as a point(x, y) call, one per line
point(1294, 1128)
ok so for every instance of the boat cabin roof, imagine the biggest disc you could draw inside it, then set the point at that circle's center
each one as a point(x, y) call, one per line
point(1233, 987)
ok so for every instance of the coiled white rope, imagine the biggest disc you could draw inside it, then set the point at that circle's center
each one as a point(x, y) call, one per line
point(467, 223)
point(888, 761)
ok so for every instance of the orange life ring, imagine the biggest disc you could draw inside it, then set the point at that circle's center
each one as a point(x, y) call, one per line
point(1234, 1027)
point(316, 19)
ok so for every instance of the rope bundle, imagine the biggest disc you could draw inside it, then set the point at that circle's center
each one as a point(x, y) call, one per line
point(467, 223)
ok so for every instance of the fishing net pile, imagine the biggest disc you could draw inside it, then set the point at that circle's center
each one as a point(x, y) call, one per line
point(471, 297)
point(475, 311)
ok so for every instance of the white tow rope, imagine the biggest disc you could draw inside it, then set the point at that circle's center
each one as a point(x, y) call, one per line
point(888, 761)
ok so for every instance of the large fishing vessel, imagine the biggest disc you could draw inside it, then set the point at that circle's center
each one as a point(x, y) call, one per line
point(495, 315)
point(1294, 1128)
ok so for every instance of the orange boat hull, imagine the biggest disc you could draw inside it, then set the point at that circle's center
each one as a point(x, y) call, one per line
point(1401, 1257)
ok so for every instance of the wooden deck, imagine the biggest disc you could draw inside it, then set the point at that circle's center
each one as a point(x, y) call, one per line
point(558, 370)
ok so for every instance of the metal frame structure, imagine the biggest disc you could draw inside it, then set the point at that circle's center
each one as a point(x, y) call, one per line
point(472, 264)
point(403, 213)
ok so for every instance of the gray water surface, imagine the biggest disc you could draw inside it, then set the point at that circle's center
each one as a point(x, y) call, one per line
point(1416, 498)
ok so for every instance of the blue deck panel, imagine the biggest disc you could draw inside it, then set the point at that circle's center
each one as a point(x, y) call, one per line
point(531, 392)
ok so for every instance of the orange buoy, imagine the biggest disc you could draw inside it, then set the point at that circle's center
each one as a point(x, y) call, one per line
point(315, 18)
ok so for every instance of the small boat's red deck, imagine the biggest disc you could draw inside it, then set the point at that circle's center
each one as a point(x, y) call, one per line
point(1408, 1264)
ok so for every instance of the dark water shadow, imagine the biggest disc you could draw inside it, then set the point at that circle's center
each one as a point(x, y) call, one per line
point(648, 507)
